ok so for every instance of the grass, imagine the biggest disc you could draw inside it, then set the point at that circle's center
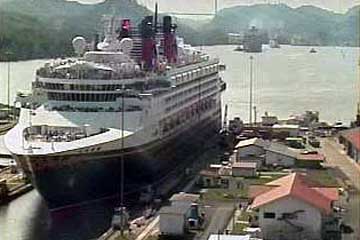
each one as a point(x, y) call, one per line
point(224, 195)
point(239, 228)
point(324, 177)
point(245, 216)
point(121, 238)
point(188, 236)
point(229, 195)
point(152, 238)
point(262, 179)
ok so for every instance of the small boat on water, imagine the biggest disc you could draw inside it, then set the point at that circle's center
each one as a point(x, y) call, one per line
point(273, 43)
point(313, 50)
point(239, 48)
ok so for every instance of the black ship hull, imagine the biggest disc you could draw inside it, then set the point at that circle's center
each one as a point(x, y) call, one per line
point(99, 176)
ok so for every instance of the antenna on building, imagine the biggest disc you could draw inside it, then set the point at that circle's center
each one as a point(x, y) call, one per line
point(156, 17)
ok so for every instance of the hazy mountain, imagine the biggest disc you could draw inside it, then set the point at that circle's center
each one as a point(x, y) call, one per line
point(306, 25)
point(44, 28)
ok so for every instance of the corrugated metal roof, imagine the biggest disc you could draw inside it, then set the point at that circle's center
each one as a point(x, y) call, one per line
point(253, 141)
point(229, 237)
point(281, 149)
point(311, 157)
point(295, 185)
point(244, 165)
point(176, 209)
point(186, 197)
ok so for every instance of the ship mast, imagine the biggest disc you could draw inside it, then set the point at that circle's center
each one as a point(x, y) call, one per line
point(357, 121)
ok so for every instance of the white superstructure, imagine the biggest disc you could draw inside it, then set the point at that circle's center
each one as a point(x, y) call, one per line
point(77, 103)
point(135, 89)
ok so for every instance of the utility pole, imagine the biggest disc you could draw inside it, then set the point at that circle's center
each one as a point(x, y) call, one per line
point(122, 159)
point(251, 90)
point(216, 7)
point(255, 115)
point(8, 54)
point(357, 120)
point(122, 211)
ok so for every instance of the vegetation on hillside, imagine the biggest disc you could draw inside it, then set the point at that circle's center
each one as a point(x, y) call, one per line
point(44, 28)
point(307, 25)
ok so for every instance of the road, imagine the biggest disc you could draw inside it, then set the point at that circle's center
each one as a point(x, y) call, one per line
point(219, 215)
point(336, 157)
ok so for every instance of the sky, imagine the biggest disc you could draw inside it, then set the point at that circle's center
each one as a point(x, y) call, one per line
point(208, 5)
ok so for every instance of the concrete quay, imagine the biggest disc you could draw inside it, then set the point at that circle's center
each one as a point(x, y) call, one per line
point(12, 185)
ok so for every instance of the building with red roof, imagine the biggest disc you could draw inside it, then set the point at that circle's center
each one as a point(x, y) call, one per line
point(351, 141)
point(293, 208)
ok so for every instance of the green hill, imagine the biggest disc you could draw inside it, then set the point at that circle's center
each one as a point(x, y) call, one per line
point(44, 28)
point(306, 25)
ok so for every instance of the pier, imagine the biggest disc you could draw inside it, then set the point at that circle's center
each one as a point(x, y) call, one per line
point(12, 184)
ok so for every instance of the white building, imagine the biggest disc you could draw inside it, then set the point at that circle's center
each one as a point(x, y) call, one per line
point(280, 155)
point(269, 120)
point(244, 169)
point(181, 215)
point(292, 209)
point(183, 198)
point(173, 219)
point(253, 147)
point(289, 130)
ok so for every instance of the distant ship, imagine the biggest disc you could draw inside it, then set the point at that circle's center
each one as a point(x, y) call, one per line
point(313, 50)
point(253, 40)
point(141, 92)
point(273, 43)
point(239, 48)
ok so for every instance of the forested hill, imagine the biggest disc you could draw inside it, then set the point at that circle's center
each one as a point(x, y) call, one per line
point(304, 25)
point(44, 28)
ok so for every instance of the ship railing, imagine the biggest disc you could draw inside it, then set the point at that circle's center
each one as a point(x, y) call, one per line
point(68, 108)
point(112, 76)
point(58, 134)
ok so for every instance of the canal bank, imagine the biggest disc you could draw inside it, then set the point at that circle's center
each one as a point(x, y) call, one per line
point(12, 184)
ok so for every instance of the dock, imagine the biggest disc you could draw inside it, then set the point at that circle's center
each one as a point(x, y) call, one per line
point(12, 185)
point(176, 180)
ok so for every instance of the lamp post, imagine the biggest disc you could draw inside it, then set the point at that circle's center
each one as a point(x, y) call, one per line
point(8, 54)
point(30, 112)
point(122, 208)
point(255, 115)
point(251, 90)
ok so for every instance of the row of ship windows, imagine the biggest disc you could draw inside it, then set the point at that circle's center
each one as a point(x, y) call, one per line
point(184, 77)
point(187, 114)
point(84, 97)
point(82, 87)
point(191, 98)
point(189, 91)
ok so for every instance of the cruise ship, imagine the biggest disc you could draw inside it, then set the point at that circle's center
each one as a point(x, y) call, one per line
point(137, 92)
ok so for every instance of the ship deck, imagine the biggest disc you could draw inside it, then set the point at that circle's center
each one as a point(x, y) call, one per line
point(16, 144)
point(3, 150)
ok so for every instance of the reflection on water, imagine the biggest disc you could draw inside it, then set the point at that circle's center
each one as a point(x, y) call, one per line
point(286, 80)
point(290, 80)
point(27, 218)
